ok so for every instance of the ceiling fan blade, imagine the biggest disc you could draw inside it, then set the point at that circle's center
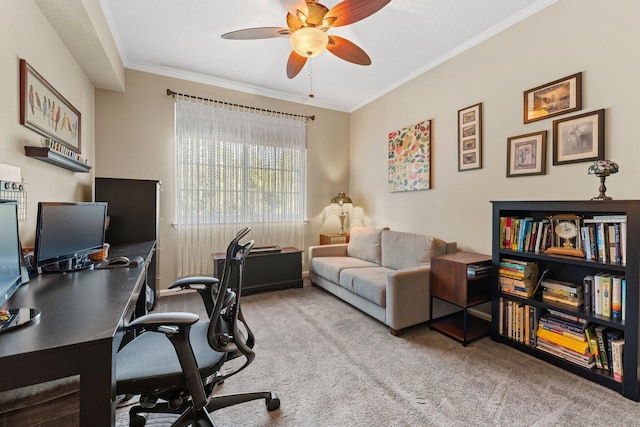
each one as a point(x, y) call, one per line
point(294, 5)
point(293, 22)
point(295, 64)
point(349, 11)
point(257, 33)
point(344, 49)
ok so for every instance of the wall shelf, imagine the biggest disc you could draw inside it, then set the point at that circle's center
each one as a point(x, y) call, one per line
point(53, 157)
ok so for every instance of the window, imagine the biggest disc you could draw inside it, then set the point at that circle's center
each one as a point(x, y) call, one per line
point(238, 168)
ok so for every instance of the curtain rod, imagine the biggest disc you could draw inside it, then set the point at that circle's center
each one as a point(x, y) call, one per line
point(172, 93)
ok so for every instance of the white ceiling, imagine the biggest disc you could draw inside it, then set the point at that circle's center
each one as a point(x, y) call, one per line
point(181, 38)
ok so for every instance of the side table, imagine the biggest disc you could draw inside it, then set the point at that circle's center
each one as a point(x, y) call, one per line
point(451, 282)
point(331, 238)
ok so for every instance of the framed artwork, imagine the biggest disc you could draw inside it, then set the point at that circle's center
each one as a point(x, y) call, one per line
point(45, 111)
point(526, 154)
point(579, 138)
point(470, 138)
point(410, 158)
point(553, 99)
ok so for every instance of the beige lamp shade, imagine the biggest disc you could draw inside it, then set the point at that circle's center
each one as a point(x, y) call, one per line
point(309, 41)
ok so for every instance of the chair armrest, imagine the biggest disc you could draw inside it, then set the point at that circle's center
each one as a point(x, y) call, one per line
point(163, 322)
point(407, 294)
point(338, 249)
point(189, 282)
point(202, 284)
point(177, 326)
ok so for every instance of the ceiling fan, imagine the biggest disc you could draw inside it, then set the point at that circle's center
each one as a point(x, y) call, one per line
point(307, 28)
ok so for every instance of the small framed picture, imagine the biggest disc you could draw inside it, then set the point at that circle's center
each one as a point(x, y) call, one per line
point(553, 99)
point(579, 138)
point(470, 138)
point(526, 154)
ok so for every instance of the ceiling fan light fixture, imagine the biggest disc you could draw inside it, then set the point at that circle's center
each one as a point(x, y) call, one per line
point(309, 41)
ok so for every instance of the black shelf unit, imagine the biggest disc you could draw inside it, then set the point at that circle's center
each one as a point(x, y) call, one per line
point(573, 269)
point(53, 157)
point(134, 216)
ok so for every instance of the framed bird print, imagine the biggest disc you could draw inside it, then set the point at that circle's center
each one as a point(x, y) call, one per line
point(47, 112)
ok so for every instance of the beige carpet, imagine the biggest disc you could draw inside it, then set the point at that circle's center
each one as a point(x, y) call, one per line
point(331, 365)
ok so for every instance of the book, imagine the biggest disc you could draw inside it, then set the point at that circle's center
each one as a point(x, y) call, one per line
point(584, 234)
point(617, 350)
point(593, 345)
point(534, 315)
point(606, 295)
point(602, 346)
point(601, 243)
point(597, 294)
point(611, 335)
point(592, 242)
point(587, 284)
point(616, 297)
point(624, 298)
point(623, 242)
point(585, 360)
point(611, 242)
point(566, 342)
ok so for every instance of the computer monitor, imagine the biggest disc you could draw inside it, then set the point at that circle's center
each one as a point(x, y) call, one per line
point(66, 232)
point(12, 275)
point(10, 251)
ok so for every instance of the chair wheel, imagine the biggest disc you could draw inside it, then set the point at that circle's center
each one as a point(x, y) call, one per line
point(137, 420)
point(272, 402)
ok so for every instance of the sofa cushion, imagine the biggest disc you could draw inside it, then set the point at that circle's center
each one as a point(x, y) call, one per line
point(364, 243)
point(369, 283)
point(404, 250)
point(330, 267)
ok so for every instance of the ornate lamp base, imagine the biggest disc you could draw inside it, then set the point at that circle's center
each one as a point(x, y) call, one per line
point(602, 190)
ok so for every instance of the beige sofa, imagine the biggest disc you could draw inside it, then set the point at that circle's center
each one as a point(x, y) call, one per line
point(382, 272)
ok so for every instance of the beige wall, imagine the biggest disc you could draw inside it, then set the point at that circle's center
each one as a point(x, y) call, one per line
point(25, 33)
point(135, 139)
point(600, 39)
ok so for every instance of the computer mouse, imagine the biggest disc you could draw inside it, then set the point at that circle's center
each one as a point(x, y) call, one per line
point(120, 260)
point(136, 261)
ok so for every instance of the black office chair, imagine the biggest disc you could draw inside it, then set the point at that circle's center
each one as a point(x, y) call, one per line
point(183, 370)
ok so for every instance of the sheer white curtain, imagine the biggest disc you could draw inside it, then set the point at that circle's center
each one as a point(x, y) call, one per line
point(236, 167)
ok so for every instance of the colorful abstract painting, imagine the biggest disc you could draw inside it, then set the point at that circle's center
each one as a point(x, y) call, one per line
point(410, 158)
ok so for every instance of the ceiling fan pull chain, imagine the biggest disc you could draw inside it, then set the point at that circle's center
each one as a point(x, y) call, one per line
point(310, 74)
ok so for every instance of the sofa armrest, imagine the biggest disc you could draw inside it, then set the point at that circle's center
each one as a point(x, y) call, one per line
point(408, 292)
point(338, 249)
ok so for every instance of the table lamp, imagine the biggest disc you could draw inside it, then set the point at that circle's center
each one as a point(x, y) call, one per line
point(342, 205)
point(602, 169)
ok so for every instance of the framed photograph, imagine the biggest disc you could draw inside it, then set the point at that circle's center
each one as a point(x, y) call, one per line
point(45, 111)
point(553, 99)
point(470, 138)
point(579, 138)
point(526, 154)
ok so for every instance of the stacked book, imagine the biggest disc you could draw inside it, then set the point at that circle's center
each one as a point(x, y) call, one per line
point(517, 277)
point(562, 292)
point(564, 336)
point(479, 268)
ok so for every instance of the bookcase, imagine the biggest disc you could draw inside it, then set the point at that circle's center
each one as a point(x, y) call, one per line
point(573, 269)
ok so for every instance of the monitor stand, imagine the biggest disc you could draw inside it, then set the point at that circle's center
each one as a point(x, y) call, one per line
point(68, 266)
point(11, 318)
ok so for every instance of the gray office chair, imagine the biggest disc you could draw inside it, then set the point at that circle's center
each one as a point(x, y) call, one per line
point(183, 370)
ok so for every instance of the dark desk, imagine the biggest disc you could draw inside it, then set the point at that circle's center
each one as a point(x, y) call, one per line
point(79, 331)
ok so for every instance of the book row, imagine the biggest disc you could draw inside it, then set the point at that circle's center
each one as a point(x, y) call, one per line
point(601, 238)
point(602, 294)
point(568, 337)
